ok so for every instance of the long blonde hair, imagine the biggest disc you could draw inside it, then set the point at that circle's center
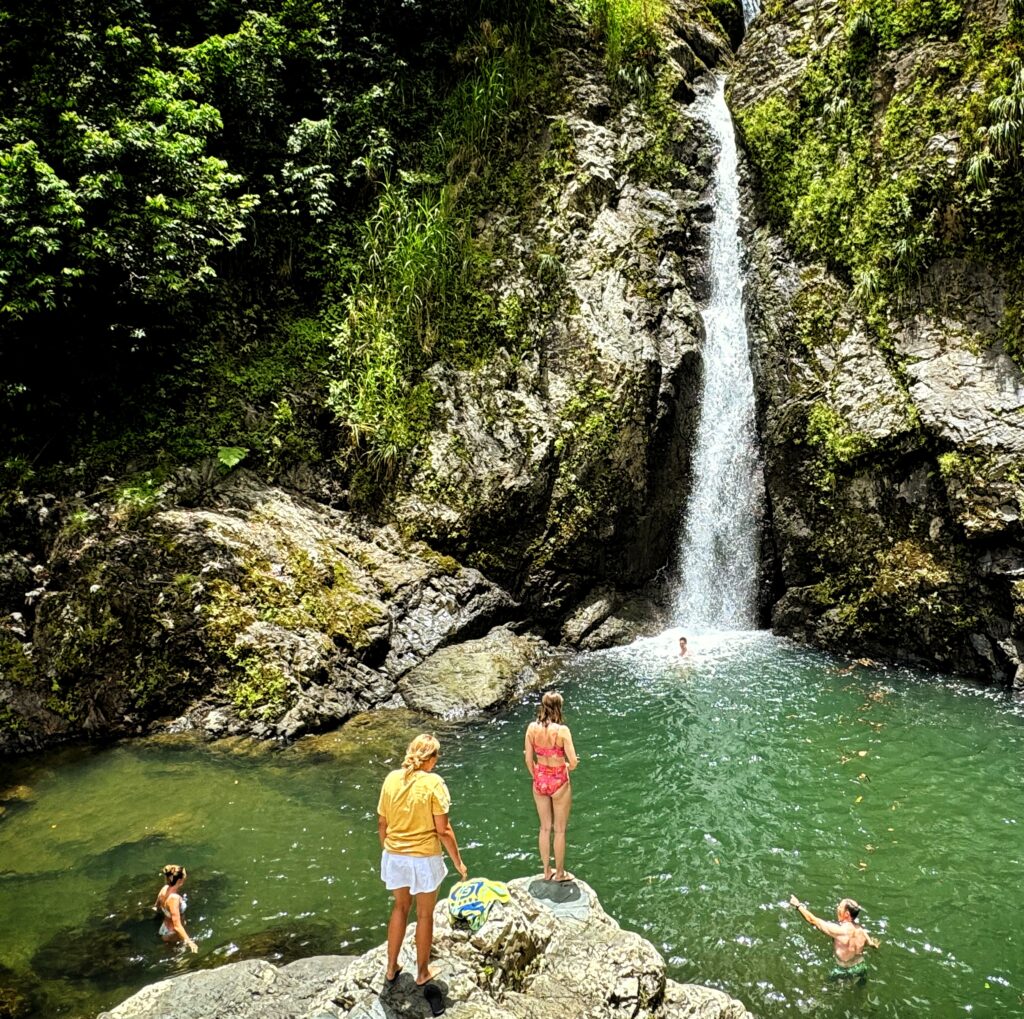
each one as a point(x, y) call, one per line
point(419, 751)
point(550, 709)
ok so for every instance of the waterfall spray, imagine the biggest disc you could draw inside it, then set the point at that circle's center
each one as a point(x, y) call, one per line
point(718, 560)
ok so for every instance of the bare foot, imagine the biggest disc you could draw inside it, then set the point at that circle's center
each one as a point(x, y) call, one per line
point(425, 976)
point(391, 977)
point(548, 872)
point(565, 876)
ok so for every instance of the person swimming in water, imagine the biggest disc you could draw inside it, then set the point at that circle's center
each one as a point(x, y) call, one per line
point(172, 904)
point(848, 937)
point(683, 649)
point(550, 756)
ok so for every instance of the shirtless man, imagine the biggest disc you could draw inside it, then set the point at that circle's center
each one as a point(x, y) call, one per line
point(682, 647)
point(849, 938)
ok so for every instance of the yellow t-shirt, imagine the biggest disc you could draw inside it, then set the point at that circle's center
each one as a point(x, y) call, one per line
point(409, 807)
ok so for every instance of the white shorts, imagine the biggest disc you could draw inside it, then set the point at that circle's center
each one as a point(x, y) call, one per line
point(417, 873)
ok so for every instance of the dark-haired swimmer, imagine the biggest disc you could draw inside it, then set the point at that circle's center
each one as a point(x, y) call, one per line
point(172, 904)
point(848, 937)
point(683, 649)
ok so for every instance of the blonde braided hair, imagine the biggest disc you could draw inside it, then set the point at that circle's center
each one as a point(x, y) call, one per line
point(419, 751)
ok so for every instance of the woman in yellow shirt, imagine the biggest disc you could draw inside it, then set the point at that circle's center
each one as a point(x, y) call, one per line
point(413, 825)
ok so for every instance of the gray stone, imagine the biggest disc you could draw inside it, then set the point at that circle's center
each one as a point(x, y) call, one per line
point(243, 990)
point(529, 962)
point(533, 958)
point(472, 677)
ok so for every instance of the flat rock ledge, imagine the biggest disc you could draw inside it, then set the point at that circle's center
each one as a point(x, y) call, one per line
point(550, 953)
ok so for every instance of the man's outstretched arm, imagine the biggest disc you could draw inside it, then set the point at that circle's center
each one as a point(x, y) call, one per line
point(833, 930)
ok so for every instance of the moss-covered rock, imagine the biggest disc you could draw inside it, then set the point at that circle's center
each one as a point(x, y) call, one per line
point(892, 412)
point(469, 678)
point(261, 613)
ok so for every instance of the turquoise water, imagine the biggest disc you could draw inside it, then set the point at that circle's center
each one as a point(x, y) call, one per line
point(707, 792)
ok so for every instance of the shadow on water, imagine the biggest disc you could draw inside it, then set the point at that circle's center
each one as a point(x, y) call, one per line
point(709, 789)
point(120, 942)
point(280, 944)
point(20, 995)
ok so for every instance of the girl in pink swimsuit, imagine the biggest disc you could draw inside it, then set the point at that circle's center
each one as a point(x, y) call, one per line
point(550, 756)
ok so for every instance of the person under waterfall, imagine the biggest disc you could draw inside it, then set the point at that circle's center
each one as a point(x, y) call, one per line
point(550, 756)
point(683, 649)
point(849, 939)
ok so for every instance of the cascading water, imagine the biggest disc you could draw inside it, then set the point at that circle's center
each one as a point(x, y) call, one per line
point(751, 9)
point(718, 561)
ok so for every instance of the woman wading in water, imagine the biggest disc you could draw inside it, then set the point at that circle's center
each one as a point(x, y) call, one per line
point(172, 904)
point(412, 822)
point(550, 756)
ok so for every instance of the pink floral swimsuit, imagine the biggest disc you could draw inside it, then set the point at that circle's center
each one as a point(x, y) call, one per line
point(549, 778)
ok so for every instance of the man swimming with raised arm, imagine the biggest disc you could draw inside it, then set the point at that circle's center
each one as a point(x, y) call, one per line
point(848, 937)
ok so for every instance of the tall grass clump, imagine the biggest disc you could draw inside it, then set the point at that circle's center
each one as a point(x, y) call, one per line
point(627, 28)
point(413, 259)
point(415, 290)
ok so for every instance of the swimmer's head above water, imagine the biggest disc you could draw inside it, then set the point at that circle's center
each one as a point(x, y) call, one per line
point(173, 874)
point(848, 909)
point(682, 646)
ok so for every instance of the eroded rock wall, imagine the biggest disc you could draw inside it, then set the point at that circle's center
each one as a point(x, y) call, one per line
point(891, 408)
point(545, 498)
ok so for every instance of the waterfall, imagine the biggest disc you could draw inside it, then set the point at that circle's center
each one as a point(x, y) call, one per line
point(751, 9)
point(718, 559)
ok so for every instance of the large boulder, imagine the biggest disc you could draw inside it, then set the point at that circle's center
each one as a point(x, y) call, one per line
point(550, 953)
point(471, 677)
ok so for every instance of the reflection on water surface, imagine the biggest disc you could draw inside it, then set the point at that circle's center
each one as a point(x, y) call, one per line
point(709, 789)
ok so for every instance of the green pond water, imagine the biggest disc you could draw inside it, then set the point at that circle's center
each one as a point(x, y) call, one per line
point(707, 791)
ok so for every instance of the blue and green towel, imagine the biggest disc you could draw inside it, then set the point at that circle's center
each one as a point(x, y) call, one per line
point(472, 900)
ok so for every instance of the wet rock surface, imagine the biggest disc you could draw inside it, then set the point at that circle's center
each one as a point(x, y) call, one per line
point(893, 445)
point(544, 954)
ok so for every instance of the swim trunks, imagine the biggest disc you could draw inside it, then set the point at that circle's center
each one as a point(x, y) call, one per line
point(860, 970)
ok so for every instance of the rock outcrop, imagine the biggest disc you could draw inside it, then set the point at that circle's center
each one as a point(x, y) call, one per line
point(549, 486)
point(891, 411)
point(261, 613)
point(551, 952)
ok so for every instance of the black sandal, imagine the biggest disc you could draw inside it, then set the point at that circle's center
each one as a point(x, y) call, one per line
point(435, 999)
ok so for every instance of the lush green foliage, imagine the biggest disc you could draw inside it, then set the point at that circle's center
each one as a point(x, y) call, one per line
point(252, 227)
point(628, 28)
point(879, 183)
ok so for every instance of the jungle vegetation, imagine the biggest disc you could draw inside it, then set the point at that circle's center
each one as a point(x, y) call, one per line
point(240, 231)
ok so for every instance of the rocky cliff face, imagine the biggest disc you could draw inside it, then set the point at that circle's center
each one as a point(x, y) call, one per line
point(567, 467)
point(891, 409)
point(545, 498)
